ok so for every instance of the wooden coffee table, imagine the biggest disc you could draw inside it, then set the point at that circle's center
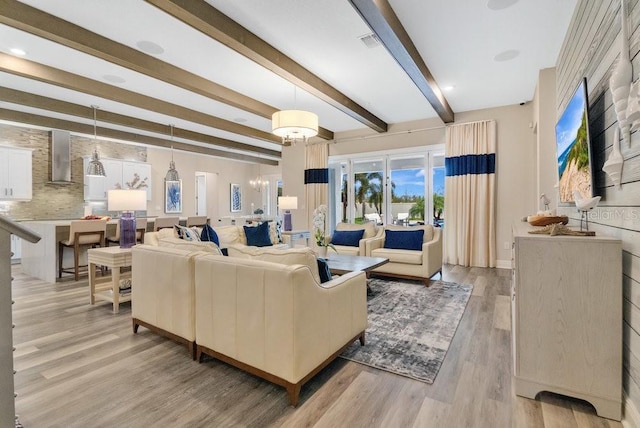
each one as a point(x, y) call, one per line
point(339, 264)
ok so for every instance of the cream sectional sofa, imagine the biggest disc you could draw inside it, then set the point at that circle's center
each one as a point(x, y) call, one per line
point(228, 235)
point(411, 264)
point(263, 311)
point(162, 292)
point(275, 320)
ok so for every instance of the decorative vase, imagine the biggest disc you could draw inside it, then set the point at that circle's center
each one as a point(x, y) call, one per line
point(322, 252)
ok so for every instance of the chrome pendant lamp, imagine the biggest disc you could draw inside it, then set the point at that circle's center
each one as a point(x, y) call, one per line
point(172, 174)
point(95, 167)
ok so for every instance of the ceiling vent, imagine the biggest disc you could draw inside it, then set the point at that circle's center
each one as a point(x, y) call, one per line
point(370, 40)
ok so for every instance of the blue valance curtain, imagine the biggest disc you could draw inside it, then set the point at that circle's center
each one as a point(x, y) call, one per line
point(469, 203)
point(316, 178)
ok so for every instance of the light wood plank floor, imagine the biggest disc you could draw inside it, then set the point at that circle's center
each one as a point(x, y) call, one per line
point(81, 366)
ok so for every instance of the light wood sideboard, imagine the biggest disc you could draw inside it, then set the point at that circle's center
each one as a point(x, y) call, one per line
point(567, 317)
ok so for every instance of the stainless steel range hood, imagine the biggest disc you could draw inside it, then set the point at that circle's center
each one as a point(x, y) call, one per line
point(60, 162)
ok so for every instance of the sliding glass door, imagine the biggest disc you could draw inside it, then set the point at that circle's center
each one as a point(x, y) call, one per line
point(369, 190)
point(403, 188)
point(408, 189)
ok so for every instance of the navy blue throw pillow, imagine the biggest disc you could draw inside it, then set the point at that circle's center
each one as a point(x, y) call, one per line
point(403, 239)
point(258, 236)
point(323, 270)
point(208, 234)
point(348, 238)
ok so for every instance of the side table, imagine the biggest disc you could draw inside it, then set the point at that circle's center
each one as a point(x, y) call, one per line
point(108, 288)
point(290, 237)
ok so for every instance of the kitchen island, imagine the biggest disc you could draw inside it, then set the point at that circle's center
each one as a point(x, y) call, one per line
point(40, 260)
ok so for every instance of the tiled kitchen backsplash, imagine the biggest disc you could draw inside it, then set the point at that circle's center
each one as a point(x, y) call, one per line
point(59, 201)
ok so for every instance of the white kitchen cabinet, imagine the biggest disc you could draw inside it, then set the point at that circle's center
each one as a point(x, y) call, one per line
point(567, 318)
point(15, 174)
point(118, 173)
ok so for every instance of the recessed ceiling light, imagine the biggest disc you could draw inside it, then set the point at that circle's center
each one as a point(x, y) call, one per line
point(447, 88)
point(17, 51)
point(113, 79)
point(150, 47)
point(506, 55)
point(500, 4)
point(240, 120)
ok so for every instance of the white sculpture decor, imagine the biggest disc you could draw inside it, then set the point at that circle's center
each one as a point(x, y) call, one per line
point(546, 201)
point(613, 166)
point(633, 107)
point(621, 78)
point(585, 205)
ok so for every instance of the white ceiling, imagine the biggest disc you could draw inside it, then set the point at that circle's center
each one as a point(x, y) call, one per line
point(457, 39)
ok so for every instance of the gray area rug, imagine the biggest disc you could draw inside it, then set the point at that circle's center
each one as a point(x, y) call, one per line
point(410, 326)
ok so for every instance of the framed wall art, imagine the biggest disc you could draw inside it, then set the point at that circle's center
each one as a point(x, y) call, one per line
point(173, 197)
point(236, 198)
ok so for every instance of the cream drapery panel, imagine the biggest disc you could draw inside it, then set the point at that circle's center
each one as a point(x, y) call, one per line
point(469, 203)
point(316, 178)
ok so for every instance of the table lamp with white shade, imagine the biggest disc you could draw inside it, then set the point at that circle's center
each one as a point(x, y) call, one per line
point(127, 201)
point(287, 203)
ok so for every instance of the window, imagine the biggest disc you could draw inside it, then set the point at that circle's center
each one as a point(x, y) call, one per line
point(402, 187)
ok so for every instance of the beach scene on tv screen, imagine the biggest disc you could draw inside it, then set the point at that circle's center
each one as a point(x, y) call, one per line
point(572, 139)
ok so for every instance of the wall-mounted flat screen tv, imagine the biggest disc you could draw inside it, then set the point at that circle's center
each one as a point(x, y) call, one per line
point(575, 164)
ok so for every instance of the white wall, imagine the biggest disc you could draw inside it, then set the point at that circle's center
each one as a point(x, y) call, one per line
point(220, 174)
point(544, 125)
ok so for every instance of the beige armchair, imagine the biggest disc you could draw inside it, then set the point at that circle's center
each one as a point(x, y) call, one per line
point(412, 264)
point(370, 231)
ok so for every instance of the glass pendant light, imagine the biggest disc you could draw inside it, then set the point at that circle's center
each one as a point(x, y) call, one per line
point(95, 168)
point(172, 174)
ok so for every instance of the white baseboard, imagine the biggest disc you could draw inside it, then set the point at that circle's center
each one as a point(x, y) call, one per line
point(630, 417)
point(503, 264)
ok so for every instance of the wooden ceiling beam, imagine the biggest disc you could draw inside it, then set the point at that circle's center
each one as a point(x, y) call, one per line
point(50, 104)
point(50, 27)
point(383, 21)
point(81, 128)
point(210, 21)
point(54, 76)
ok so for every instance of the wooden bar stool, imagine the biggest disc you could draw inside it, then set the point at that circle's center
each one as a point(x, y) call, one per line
point(141, 228)
point(163, 222)
point(82, 233)
point(197, 220)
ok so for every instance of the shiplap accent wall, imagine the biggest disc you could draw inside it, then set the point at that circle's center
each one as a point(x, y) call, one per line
point(591, 49)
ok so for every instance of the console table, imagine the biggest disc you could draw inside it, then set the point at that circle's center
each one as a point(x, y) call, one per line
point(290, 237)
point(567, 317)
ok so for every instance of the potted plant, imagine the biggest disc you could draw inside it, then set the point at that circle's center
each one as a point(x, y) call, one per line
point(320, 227)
